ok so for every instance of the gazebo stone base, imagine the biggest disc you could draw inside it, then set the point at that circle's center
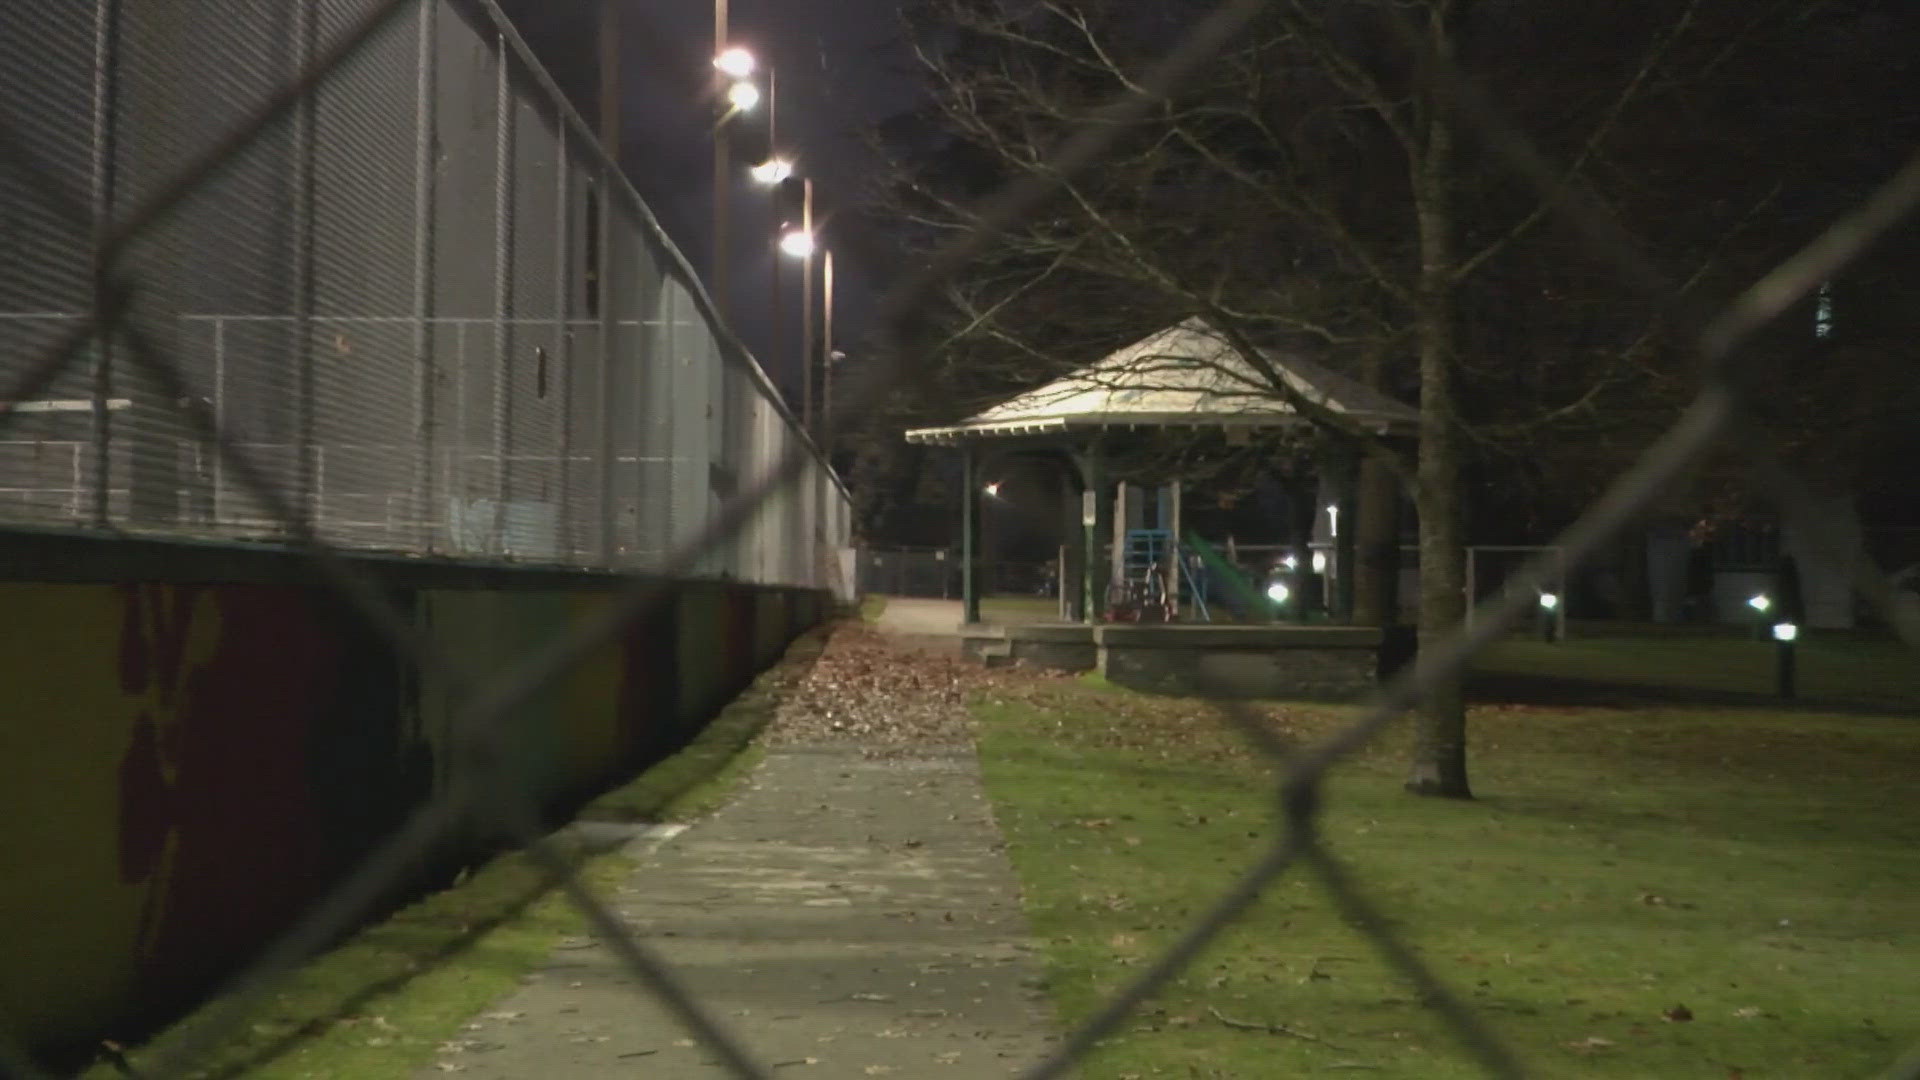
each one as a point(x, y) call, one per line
point(1317, 662)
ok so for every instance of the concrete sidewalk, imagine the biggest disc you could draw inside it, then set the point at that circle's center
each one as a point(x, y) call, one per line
point(914, 616)
point(844, 917)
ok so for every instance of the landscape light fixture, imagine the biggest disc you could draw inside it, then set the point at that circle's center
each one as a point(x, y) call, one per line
point(1290, 563)
point(1760, 602)
point(1319, 562)
point(1278, 592)
point(735, 63)
point(992, 490)
point(1784, 675)
point(1549, 617)
point(773, 170)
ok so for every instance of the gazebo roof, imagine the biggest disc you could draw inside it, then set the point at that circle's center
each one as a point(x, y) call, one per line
point(1184, 376)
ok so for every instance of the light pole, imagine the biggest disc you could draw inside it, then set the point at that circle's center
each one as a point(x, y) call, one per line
point(720, 167)
point(825, 434)
point(736, 65)
point(774, 172)
point(801, 244)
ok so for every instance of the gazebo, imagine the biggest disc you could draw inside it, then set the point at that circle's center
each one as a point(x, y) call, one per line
point(1186, 377)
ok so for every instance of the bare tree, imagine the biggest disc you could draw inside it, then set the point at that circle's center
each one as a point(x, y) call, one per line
point(1315, 191)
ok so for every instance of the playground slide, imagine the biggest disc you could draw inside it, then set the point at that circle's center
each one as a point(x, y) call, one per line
point(1241, 594)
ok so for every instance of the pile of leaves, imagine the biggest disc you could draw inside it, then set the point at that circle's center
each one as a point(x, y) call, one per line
point(890, 700)
point(892, 697)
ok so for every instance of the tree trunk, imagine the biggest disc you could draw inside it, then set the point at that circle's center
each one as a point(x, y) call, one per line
point(1376, 525)
point(1376, 592)
point(1440, 744)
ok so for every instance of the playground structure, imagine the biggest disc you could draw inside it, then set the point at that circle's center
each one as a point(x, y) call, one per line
point(1143, 600)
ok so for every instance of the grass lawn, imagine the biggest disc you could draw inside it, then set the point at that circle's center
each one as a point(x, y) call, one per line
point(1835, 670)
point(1637, 893)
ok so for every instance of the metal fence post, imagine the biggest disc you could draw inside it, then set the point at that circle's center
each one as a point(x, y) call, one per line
point(306, 493)
point(667, 352)
point(105, 91)
point(219, 415)
point(424, 209)
point(458, 452)
point(609, 327)
point(1560, 612)
point(640, 425)
point(503, 183)
point(563, 338)
point(1469, 588)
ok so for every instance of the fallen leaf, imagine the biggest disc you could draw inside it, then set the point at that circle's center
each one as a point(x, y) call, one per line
point(1679, 1014)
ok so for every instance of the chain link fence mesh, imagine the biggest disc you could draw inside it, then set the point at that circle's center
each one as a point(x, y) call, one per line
point(264, 239)
point(387, 298)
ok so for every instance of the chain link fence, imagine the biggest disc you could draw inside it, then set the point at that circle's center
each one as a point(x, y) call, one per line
point(260, 239)
point(935, 573)
point(419, 303)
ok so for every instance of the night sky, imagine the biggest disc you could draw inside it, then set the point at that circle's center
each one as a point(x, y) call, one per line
point(841, 69)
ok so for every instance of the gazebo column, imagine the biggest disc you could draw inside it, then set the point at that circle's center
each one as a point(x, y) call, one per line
point(1072, 582)
point(1172, 496)
point(1339, 470)
point(1376, 529)
point(1096, 499)
point(969, 534)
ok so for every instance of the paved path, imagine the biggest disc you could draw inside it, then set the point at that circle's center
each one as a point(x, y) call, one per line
point(844, 917)
point(920, 618)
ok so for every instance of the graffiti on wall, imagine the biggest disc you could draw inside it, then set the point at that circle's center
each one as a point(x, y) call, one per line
point(257, 718)
point(195, 764)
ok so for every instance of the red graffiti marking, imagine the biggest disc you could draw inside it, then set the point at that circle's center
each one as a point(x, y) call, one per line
point(216, 810)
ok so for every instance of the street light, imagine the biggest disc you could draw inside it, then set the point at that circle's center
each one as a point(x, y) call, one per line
point(803, 243)
point(735, 63)
point(798, 243)
point(772, 171)
point(743, 96)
